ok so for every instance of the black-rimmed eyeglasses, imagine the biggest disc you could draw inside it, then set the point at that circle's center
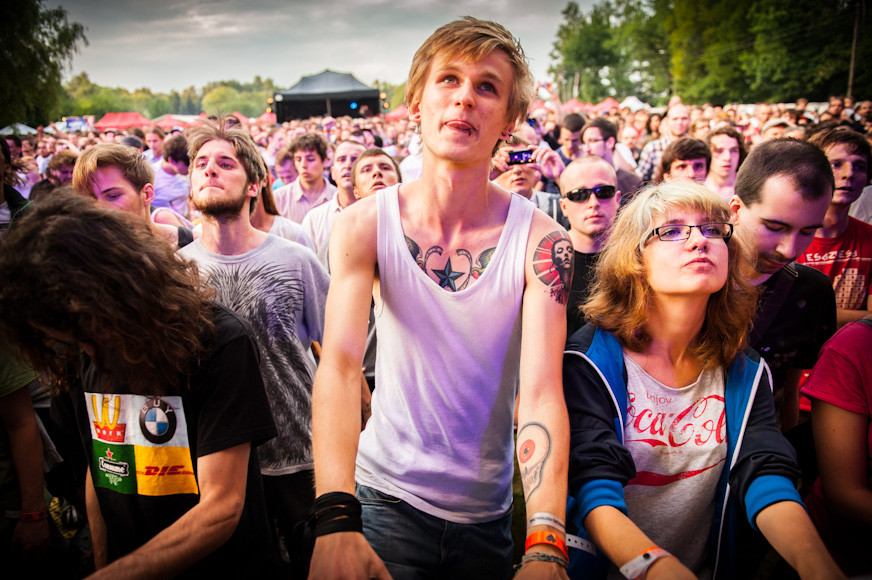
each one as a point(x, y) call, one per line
point(582, 194)
point(681, 232)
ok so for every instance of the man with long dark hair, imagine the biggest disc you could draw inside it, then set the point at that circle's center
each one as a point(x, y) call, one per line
point(167, 398)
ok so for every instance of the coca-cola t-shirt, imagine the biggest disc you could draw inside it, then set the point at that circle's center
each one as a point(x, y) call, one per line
point(678, 440)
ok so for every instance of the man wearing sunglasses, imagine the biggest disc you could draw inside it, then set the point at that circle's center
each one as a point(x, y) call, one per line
point(589, 198)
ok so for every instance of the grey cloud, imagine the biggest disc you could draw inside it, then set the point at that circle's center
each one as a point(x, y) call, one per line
point(173, 44)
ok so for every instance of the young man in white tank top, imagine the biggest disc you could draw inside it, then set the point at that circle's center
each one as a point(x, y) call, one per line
point(459, 266)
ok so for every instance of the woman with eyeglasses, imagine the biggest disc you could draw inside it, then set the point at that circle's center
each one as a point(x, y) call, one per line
point(673, 444)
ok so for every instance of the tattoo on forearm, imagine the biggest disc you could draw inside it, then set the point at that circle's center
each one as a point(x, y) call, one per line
point(534, 448)
point(448, 277)
point(552, 263)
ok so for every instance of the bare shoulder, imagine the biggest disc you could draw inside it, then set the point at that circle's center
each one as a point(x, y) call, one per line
point(354, 233)
point(549, 257)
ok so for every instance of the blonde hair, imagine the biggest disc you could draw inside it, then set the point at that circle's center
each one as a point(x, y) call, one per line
point(620, 297)
point(473, 39)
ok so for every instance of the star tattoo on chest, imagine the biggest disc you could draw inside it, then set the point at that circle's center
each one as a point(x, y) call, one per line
point(448, 278)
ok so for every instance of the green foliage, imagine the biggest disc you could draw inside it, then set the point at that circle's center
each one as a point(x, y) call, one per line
point(719, 51)
point(394, 92)
point(83, 97)
point(35, 45)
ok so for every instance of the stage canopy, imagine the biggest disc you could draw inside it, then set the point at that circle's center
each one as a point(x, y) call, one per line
point(121, 121)
point(326, 93)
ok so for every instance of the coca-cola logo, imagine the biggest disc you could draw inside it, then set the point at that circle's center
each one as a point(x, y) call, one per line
point(704, 419)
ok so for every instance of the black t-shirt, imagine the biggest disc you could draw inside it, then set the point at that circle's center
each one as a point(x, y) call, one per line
point(582, 280)
point(143, 450)
point(804, 321)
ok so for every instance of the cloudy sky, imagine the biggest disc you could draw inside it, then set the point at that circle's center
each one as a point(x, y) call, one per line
point(173, 44)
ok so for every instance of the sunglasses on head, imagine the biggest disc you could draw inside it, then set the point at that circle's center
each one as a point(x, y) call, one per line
point(582, 194)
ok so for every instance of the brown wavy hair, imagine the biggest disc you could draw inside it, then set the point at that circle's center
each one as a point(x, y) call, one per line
point(77, 269)
point(621, 294)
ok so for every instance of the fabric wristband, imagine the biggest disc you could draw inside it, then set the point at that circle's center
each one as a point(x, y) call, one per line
point(546, 519)
point(638, 566)
point(336, 512)
point(546, 538)
point(33, 516)
point(542, 557)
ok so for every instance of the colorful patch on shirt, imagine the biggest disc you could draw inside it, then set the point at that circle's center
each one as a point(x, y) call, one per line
point(140, 445)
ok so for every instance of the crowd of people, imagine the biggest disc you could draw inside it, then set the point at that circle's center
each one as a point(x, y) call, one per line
point(313, 348)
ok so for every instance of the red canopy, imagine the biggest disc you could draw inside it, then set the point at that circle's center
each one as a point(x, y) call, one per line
point(608, 104)
point(400, 112)
point(122, 121)
point(167, 122)
point(573, 105)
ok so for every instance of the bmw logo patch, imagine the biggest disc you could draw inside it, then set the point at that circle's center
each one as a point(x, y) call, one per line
point(157, 420)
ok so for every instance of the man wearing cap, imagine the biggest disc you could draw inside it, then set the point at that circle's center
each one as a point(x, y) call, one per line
point(773, 129)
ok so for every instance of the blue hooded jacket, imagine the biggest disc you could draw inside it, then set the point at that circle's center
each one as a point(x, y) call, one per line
point(761, 464)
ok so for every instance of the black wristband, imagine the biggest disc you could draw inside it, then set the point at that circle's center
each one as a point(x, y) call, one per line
point(336, 512)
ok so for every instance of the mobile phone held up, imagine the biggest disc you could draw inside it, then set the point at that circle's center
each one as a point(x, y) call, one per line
point(520, 157)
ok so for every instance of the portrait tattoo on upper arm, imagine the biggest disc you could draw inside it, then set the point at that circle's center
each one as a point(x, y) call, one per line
point(552, 263)
point(448, 277)
point(534, 447)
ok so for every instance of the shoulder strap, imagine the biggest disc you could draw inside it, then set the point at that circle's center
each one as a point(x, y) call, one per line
point(772, 303)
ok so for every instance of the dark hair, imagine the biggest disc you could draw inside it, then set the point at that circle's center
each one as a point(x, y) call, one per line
point(572, 122)
point(310, 142)
point(64, 157)
point(10, 166)
point(74, 267)
point(685, 149)
point(607, 129)
point(803, 162)
point(14, 138)
point(843, 136)
point(175, 148)
point(729, 132)
point(156, 131)
point(283, 156)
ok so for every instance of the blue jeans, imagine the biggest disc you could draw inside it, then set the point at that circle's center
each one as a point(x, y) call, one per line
point(416, 546)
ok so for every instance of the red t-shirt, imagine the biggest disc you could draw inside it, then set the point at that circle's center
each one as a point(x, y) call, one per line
point(847, 261)
point(843, 377)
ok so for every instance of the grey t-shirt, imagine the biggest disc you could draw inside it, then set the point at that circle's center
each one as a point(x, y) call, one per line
point(280, 289)
point(678, 441)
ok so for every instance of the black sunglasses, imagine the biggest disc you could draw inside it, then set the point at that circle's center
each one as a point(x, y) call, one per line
point(582, 194)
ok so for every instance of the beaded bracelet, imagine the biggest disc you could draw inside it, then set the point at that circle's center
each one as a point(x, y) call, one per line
point(541, 557)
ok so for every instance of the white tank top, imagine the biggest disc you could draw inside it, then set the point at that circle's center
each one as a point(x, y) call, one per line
point(440, 436)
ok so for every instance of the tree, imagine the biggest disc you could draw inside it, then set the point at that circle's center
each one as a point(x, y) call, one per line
point(718, 51)
point(589, 59)
point(35, 45)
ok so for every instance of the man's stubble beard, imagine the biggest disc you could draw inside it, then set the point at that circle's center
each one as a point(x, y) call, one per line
point(222, 210)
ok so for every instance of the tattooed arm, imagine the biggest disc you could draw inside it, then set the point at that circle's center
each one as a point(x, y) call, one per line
point(336, 401)
point(543, 428)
